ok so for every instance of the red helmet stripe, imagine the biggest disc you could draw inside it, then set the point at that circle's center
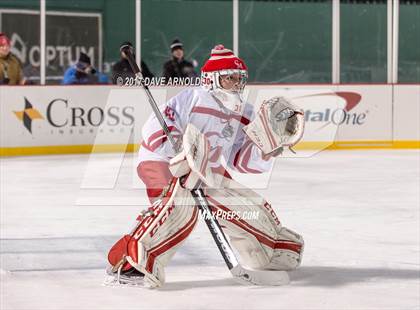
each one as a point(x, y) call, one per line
point(222, 54)
point(223, 59)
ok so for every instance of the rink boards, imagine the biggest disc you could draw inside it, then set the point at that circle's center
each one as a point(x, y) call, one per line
point(83, 119)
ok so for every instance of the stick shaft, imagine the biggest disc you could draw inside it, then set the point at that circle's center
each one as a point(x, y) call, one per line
point(153, 104)
point(198, 194)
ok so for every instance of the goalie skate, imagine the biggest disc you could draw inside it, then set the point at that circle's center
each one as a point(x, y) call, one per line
point(131, 277)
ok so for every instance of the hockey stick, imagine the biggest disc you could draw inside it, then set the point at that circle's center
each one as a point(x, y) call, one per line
point(257, 277)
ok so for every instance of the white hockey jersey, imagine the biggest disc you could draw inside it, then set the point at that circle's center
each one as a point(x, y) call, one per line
point(222, 127)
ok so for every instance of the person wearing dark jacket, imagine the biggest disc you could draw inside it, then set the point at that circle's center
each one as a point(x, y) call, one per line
point(177, 66)
point(121, 70)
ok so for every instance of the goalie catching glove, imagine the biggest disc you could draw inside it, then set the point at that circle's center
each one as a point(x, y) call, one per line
point(278, 124)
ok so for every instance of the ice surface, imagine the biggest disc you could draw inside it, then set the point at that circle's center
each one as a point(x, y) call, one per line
point(358, 212)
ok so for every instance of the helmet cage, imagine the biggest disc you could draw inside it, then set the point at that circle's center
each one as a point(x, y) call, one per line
point(211, 80)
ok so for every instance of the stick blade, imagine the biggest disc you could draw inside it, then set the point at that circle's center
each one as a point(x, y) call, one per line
point(260, 277)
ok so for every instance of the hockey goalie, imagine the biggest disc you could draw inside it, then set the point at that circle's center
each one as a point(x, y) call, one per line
point(217, 131)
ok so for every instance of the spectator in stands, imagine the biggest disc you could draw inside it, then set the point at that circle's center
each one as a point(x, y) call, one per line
point(83, 73)
point(121, 70)
point(10, 66)
point(177, 66)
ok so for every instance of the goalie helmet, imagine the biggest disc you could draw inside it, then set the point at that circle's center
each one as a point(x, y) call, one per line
point(224, 75)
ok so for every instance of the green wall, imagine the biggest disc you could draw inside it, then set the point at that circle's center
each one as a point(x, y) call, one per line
point(409, 42)
point(200, 25)
point(286, 41)
point(281, 41)
point(118, 18)
point(363, 42)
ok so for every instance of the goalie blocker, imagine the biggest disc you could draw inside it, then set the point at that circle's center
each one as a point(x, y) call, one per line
point(262, 242)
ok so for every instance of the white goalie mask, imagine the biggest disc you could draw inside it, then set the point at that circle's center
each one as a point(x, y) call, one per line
point(224, 75)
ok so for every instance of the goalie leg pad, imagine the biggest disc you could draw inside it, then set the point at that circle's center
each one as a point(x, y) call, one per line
point(159, 233)
point(254, 229)
point(287, 259)
point(161, 244)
